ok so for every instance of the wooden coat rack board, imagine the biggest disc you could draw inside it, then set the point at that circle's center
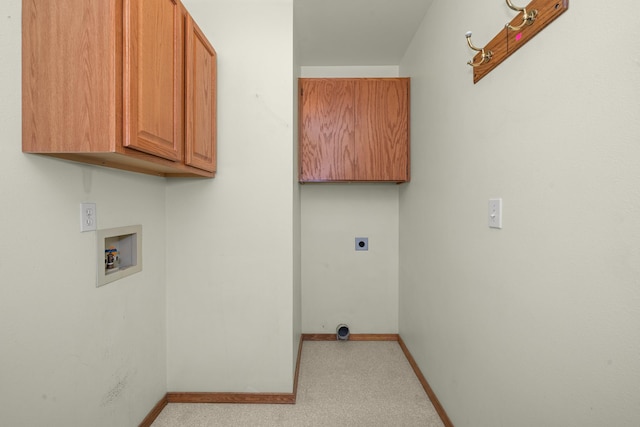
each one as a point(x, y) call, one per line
point(515, 34)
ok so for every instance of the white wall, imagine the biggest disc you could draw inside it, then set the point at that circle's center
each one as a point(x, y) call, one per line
point(297, 209)
point(535, 324)
point(72, 354)
point(350, 71)
point(340, 285)
point(230, 260)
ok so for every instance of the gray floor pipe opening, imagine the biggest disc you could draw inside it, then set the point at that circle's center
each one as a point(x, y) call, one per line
point(342, 332)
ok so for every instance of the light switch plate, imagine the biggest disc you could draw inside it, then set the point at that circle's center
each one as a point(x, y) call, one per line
point(495, 213)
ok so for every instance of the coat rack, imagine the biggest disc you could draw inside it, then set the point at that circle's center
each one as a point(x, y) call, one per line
point(529, 21)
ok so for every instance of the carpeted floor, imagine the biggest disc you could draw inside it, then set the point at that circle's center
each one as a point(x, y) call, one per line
point(346, 384)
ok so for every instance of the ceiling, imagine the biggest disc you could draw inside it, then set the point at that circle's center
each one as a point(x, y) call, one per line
point(355, 32)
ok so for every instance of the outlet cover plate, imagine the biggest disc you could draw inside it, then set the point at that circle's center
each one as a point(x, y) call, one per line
point(362, 243)
point(88, 217)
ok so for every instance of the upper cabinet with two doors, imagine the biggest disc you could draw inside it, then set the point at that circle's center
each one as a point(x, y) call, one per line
point(129, 84)
point(353, 130)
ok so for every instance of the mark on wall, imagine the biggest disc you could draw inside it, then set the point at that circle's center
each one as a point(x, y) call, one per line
point(54, 399)
point(116, 391)
point(272, 113)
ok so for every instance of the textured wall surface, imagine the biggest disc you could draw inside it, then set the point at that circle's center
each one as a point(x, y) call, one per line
point(72, 354)
point(535, 324)
point(231, 305)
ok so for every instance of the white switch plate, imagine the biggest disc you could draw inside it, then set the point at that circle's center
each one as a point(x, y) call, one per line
point(88, 217)
point(495, 213)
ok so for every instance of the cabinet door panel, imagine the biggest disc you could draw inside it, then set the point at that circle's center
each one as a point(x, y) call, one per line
point(68, 79)
point(201, 100)
point(153, 77)
point(382, 130)
point(327, 134)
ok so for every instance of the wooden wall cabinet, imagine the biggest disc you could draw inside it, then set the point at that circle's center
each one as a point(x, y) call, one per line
point(354, 130)
point(128, 84)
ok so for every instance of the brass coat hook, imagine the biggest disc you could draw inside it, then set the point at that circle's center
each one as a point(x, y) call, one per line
point(527, 17)
point(486, 55)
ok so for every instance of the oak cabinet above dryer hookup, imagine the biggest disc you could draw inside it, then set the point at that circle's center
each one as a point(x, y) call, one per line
point(354, 130)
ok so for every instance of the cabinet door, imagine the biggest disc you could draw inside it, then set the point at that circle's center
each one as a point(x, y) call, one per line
point(200, 149)
point(326, 130)
point(382, 123)
point(68, 76)
point(153, 77)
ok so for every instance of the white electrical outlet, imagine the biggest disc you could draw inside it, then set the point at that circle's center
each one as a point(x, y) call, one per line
point(362, 243)
point(88, 217)
point(495, 213)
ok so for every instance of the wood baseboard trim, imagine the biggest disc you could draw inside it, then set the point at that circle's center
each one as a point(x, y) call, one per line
point(427, 388)
point(153, 414)
point(352, 337)
point(290, 398)
point(297, 374)
point(264, 398)
point(222, 397)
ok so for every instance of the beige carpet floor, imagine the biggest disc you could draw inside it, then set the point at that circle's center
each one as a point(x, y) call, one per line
point(350, 384)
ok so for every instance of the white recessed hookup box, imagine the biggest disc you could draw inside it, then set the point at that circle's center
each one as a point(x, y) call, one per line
point(119, 253)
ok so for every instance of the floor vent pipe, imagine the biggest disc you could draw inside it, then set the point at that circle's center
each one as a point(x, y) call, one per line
point(342, 332)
